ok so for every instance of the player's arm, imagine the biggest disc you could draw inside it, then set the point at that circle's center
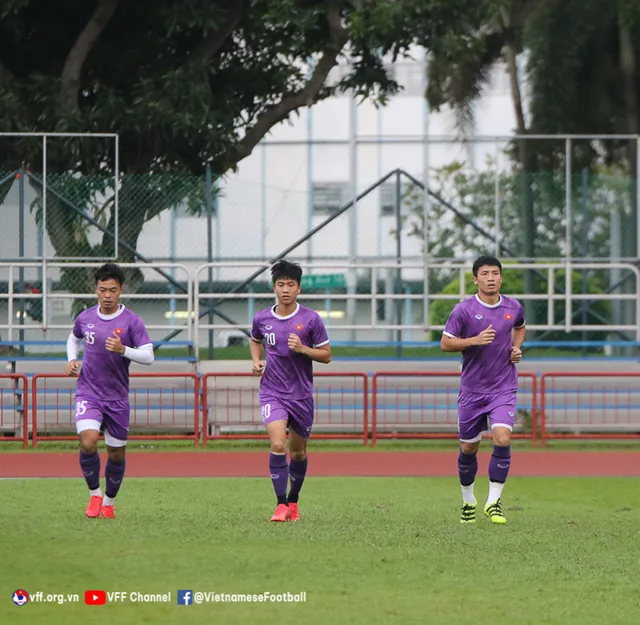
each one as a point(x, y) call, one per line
point(256, 350)
point(319, 339)
point(320, 353)
point(517, 336)
point(142, 354)
point(517, 339)
point(74, 344)
point(455, 328)
point(450, 343)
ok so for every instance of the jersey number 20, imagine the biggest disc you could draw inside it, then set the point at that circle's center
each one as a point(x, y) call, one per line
point(266, 411)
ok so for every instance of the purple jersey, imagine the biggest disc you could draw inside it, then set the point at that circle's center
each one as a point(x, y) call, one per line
point(288, 374)
point(486, 368)
point(105, 374)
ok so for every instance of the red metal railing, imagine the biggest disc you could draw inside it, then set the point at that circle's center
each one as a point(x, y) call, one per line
point(342, 409)
point(154, 408)
point(415, 409)
point(603, 405)
point(14, 415)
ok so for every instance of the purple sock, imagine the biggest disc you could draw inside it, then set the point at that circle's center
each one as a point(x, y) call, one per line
point(279, 475)
point(500, 463)
point(467, 468)
point(114, 473)
point(90, 465)
point(297, 471)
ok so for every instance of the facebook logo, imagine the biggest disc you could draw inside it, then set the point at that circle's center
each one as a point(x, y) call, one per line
point(185, 597)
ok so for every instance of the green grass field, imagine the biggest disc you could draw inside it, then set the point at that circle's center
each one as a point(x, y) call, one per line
point(367, 551)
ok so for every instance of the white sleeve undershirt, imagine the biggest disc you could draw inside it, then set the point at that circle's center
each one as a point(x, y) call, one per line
point(142, 355)
point(73, 347)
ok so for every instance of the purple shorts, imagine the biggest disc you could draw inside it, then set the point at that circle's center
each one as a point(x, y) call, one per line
point(298, 413)
point(111, 415)
point(476, 411)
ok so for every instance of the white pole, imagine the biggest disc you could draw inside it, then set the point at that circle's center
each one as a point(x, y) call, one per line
point(116, 234)
point(353, 212)
point(568, 242)
point(426, 200)
point(44, 196)
point(638, 205)
point(497, 201)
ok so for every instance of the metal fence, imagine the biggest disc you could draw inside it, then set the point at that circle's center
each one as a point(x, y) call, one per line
point(374, 304)
point(348, 405)
point(230, 406)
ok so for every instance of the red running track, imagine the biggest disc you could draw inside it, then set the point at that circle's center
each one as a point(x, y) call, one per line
point(380, 464)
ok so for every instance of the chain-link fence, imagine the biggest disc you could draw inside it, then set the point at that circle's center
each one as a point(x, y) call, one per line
point(334, 200)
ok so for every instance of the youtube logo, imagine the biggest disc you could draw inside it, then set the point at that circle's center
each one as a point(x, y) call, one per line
point(95, 597)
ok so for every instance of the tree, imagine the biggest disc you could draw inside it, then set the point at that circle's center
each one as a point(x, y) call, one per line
point(582, 78)
point(458, 80)
point(474, 193)
point(185, 84)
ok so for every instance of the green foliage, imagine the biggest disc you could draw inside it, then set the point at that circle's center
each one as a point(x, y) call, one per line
point(473, 193)
point(185, 84)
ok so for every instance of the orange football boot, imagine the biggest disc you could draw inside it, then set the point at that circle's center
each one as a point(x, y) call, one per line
point(294, 514)
point(281, 514)
point(93, 509)
point(108, 512)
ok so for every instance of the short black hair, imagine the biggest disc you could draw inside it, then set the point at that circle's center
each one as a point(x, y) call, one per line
point(109, 271)
point(285, 269)
point(492, 261)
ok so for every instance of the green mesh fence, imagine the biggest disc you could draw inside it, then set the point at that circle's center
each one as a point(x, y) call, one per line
point(164, 217)
point(480, 198)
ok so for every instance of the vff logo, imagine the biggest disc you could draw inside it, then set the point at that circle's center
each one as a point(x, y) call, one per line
point(20, 597)
point(185, 597)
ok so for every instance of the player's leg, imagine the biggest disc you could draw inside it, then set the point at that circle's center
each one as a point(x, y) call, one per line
point(115, 437)
point(88, 424)
point(300, 425)
point(274, 417)
point(472, 421)
point(502, 417)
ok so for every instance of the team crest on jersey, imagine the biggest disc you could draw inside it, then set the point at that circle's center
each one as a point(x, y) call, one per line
point(119, 331)
point(478, 316)
point(299, 327)
point(508, 316)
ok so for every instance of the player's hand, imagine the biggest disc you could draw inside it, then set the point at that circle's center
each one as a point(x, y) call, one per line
point(516, 354)
point(258, 367)
point(114, 344)
point(486, 336)
point(72, 368)
point(295, 344)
